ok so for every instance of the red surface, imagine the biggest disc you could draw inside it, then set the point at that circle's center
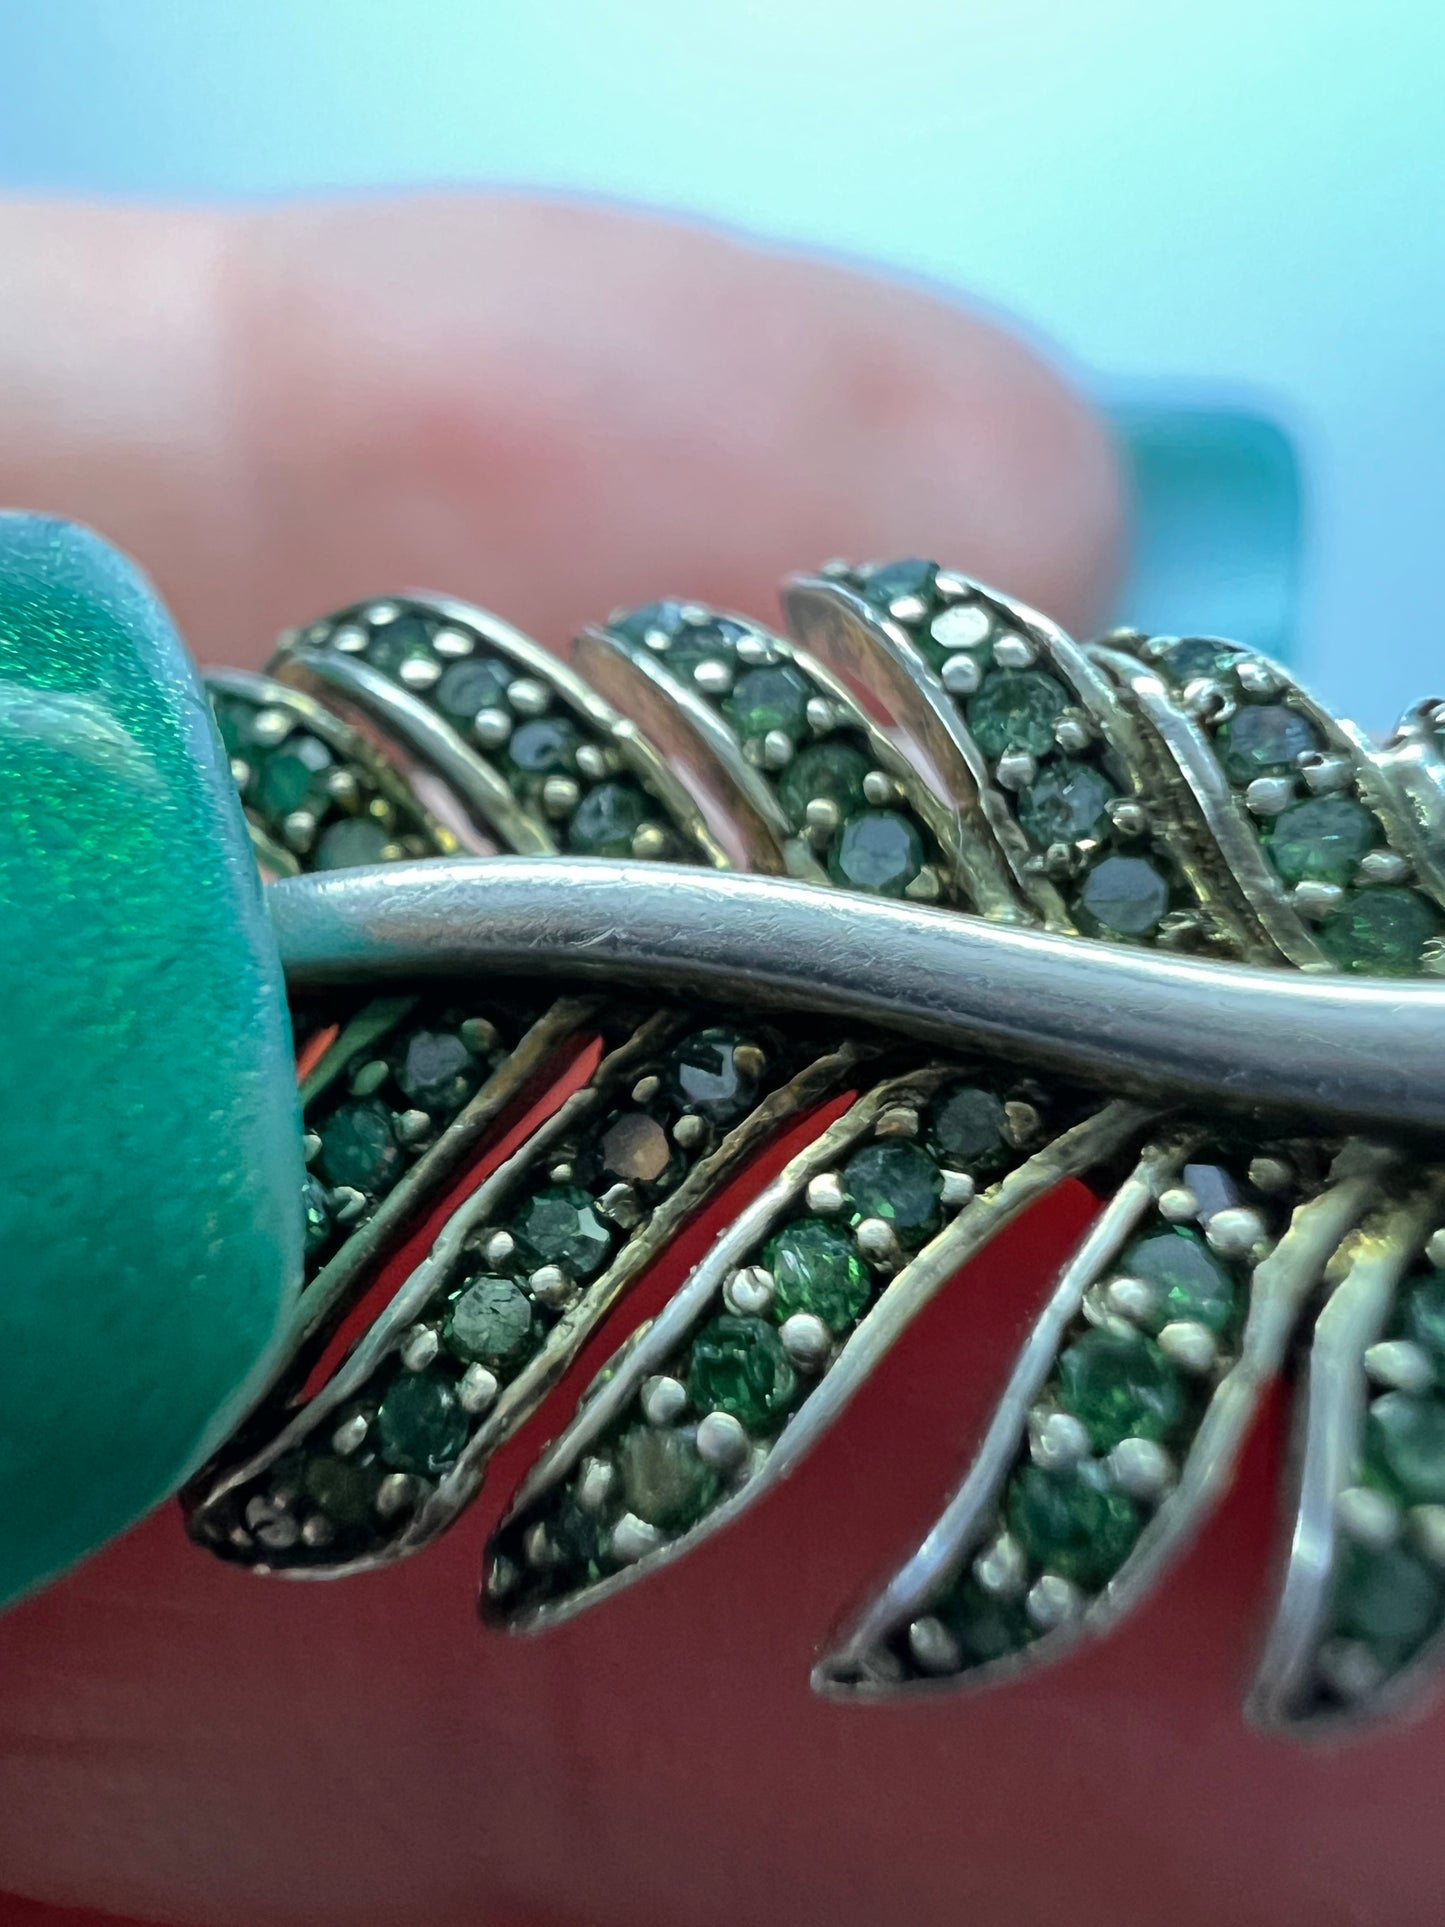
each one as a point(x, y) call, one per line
point(190, 1743)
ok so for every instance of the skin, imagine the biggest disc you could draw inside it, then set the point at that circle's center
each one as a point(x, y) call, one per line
point(554, 410)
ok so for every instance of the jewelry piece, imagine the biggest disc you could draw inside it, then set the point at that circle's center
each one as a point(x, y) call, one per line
point(1140, 913)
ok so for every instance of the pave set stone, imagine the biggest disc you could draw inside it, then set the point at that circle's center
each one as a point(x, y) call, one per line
point(1298, 780)
point(860, 820)
point(308, 804)
point(564, 768)
point(557, 1231)
point(1389, 1588)
point(748, 1365)
point(1108, 1432)
point(1044, 750)
point(396, 1076)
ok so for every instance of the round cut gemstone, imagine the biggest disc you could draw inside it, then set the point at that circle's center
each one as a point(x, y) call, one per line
point(408, 639)
point(700, 642)
point(1407, 1436)
point(1388, 1599)
point(890, 581)
point(816, 1268)
point(662, 618)
point(898, 1181)
point(634, 1150)
point(1124, 896)
point(437, 1071)
point(466, 687)
point(1264, 739)
point(1017, 709)
point(1191, 1283)
point(344, 1490)
point(739, 1366)
point(1119, 1385)
point(351, 844)
point(1195, 658)
point(579, 1539)
point(419, 1425)
point(773, 696)
point(490, 1322)
point(879, 851)
point(663, 1479)
point(828, 772)
point(606, 820)
point(1066, 804)
point(986, 1628)
point(1072, 1523)
point(559, 1225)
point(545, 746)
point(968, 1128)
point(1321, 840)
point(1380, 932)
point(708, 1078)
point(358, 1147)
point(1423, 1313)
point(293, 777)
point(318, 1218)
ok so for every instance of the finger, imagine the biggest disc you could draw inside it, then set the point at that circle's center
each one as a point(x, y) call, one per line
point(549, 409)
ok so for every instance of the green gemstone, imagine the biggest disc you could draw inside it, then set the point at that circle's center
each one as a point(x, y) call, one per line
point(606, 820)
point(652, 619)
point(738, 1365)
point(152, 1148)
point(898, 1181)
point(1380, 932)
point(968, 1128)
point(1119, 1385)
point(1017, 709)
point(663, 1479)
point(231, 720)
point(827, 772)
point(437, 1072)
point(878, 851)
point(317, 1217)
point(708, 1079)
point(816, 1268)
point(559, 1225)
point(1388, 1599)
point(891, 581)
point(1423, 1313)
point(352, 844)
point(1264, 739)
point(1407, 1436)
point(774, 696)
point(293, 777)
point(1191, 1283)
point(1067, 803)
point(344, 1490)
point(359, 1148)
point(1072, 1523)
point(1198, 657)
point(490, 1322)
point(1322, 840)
point(419, 1425)
point(545, 746)
point(579, 1540)
point(700, 642)
point(408, 639)
point(1124, 896)
point(466, 687)
point(986, 1628)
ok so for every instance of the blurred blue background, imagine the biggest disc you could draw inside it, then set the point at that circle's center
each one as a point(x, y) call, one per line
point(1227, 219)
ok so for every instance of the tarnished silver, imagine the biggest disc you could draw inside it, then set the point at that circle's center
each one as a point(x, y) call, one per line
point(1361, 1053)
point(1170, 873)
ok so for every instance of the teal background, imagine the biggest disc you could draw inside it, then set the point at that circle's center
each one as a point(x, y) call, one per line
point(1234, 208)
